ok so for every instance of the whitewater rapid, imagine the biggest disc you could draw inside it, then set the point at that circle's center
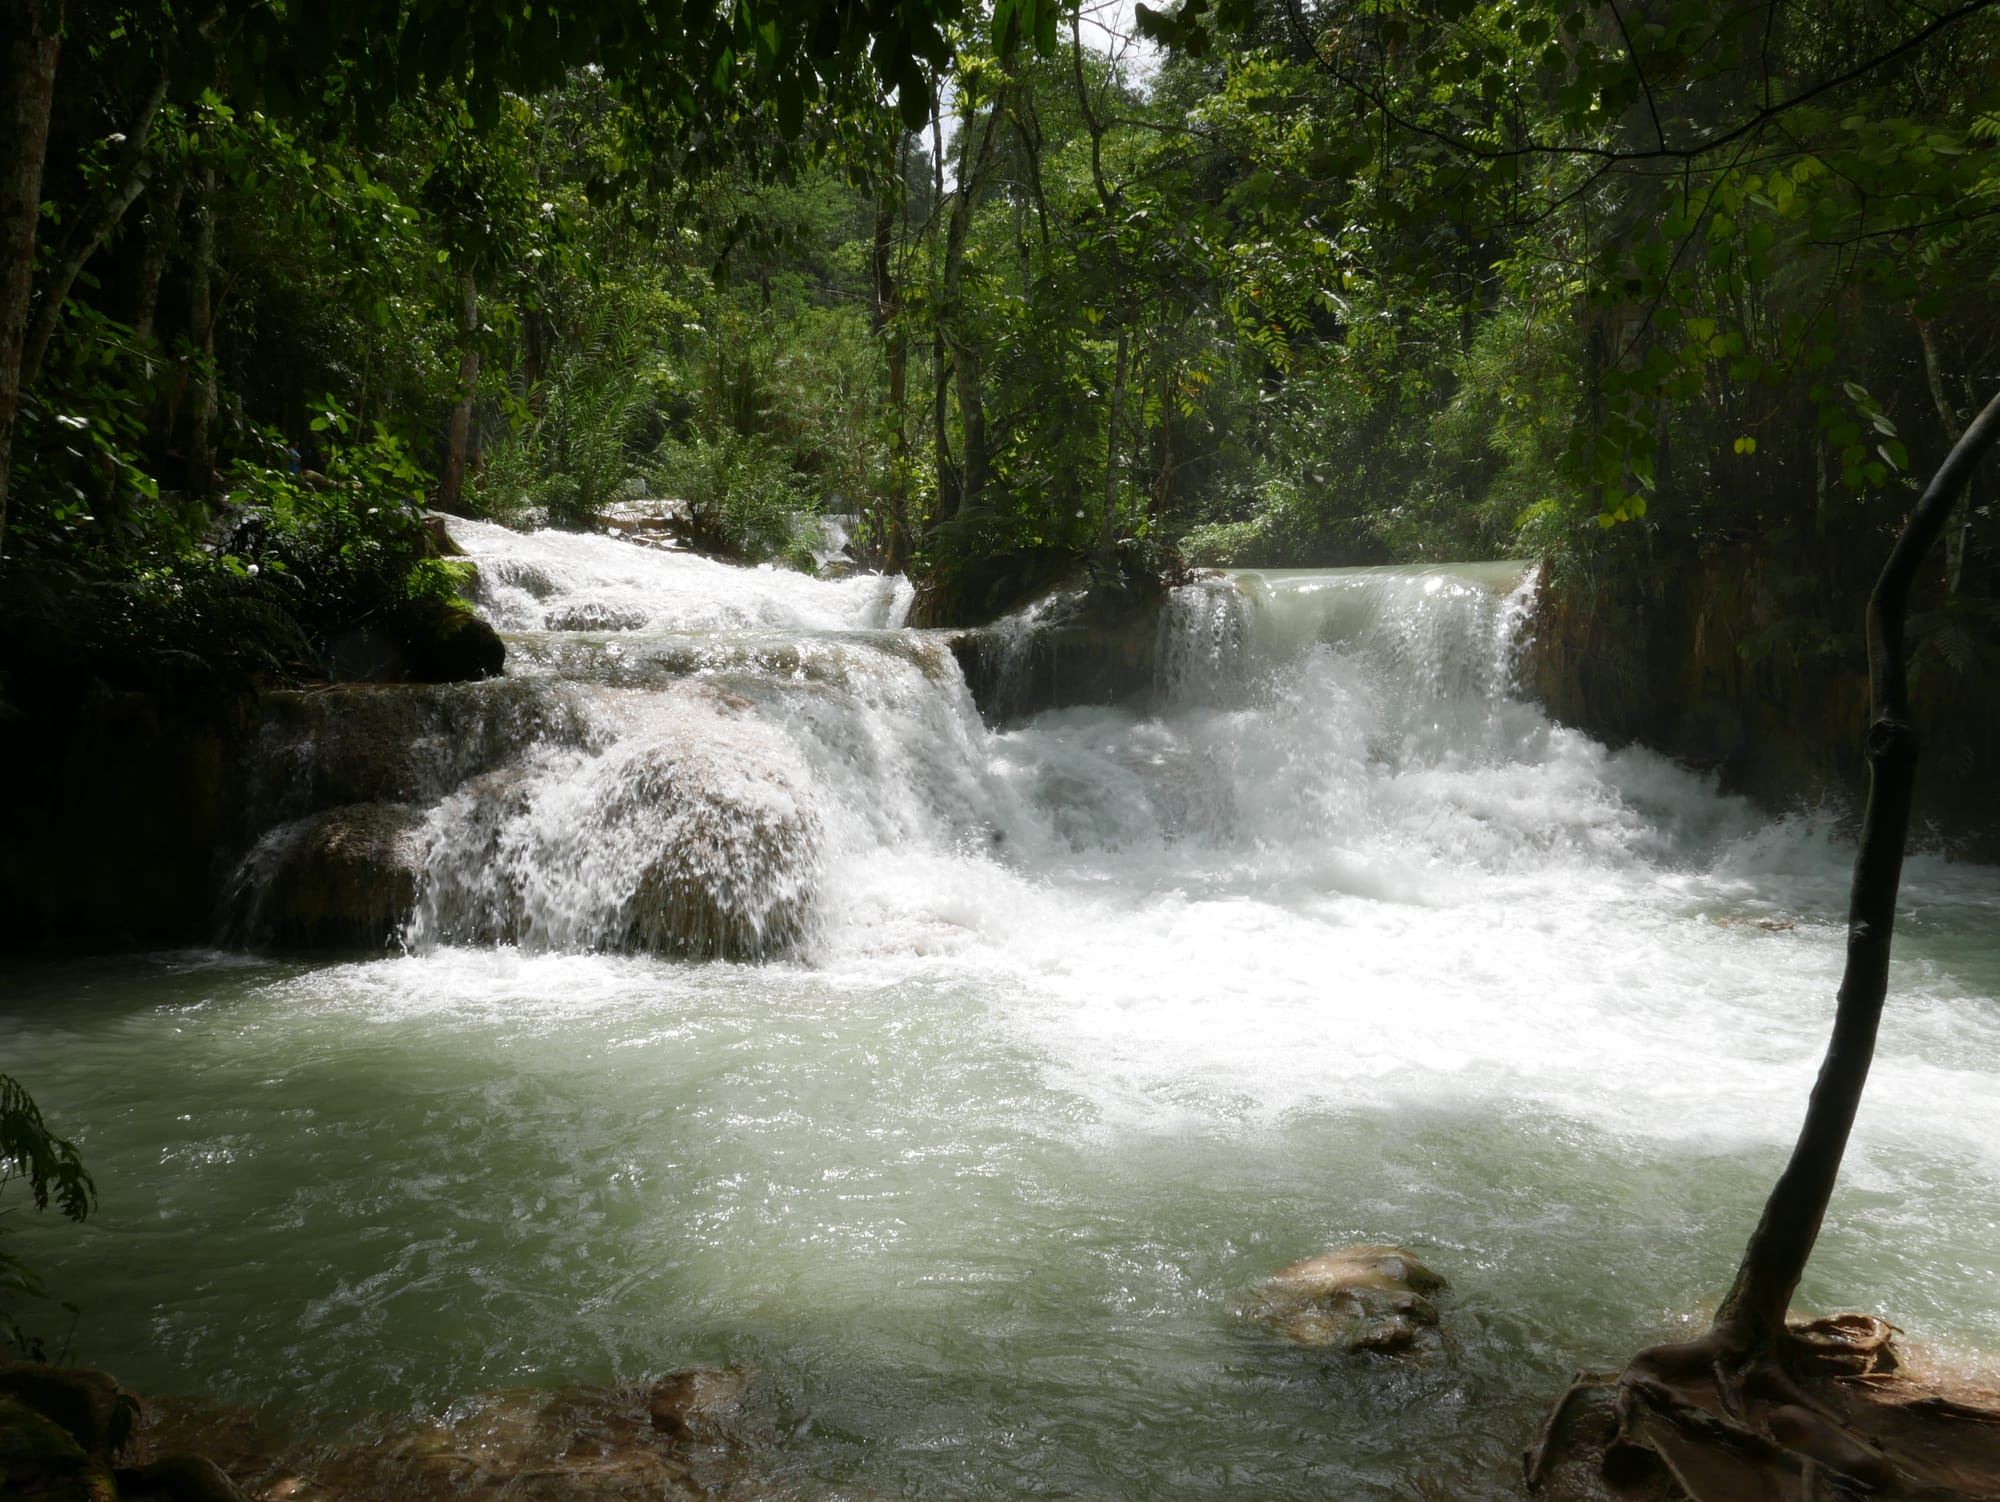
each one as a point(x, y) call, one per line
point(1054, 1038)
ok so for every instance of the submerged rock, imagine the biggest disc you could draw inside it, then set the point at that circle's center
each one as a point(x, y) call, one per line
point(595, 615)
point(700, 1406)
point(177, 1478)
point(675, 1441)
point(1357, 1298)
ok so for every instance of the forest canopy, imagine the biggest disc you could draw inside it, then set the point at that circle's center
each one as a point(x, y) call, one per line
point(1314, 284)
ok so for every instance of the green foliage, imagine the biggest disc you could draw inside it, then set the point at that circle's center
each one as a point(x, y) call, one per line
point(744, 496)
point(54, 1173)
point(1401, 282)
point(335, 549)
point(575, 443)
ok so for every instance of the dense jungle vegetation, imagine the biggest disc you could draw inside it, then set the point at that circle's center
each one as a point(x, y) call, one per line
point(1290, 284)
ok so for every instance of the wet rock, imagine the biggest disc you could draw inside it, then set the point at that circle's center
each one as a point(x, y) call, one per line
point(525, 1446)
point(421, 641)
point(40, 1461)
point(698, 1407)
point(446, 641)
point(411, 743)
point(177, 1478)
point(89, 1405)
point(1092, 642)
point(1746, 920)
point(1356, 1298)
point(697, 834)
point(344, 879)
point(59, 1429)
point(675, 1441)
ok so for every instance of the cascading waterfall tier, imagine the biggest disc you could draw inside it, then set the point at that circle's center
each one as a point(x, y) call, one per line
point(688, 755)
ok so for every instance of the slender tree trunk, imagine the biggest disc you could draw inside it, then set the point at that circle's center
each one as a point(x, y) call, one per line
point(1956, 535)
point(888, 322)
point(162, 216)
point(966, 382)
point(458, 452)
point(30, 44)
point(534, 358)
point(1752, 1315)
point(1108, 538)
point(201, 316)
point(99, 219)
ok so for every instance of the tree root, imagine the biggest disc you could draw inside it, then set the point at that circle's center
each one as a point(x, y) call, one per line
point(1827, 1414)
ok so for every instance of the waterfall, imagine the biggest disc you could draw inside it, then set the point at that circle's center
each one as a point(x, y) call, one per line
point(688, 757)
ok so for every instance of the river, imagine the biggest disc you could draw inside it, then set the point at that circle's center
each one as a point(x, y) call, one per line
point(1053, 1040)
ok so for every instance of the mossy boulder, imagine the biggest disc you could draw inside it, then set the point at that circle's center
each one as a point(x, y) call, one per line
point(59, 1429)
point(446, 641)
point(40, 1461)
point(428, 640)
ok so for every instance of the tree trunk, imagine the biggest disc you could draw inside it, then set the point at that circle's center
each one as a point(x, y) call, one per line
point(458, 453)
point(888, 321)
point(162, 216)
point(201, 317)
point(1755, 1408)
point(91, 230)
point(1752, 1315)
point(966, 381)
point(1108, 538)
point(1954, 424)
point(30, 43)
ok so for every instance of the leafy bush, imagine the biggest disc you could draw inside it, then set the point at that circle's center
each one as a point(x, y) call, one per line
point(1223, 544)
point(574, 446)
point(744, 495)
point(54, 1172)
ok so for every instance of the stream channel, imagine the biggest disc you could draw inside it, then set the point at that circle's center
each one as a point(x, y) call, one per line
point(1052, 1041)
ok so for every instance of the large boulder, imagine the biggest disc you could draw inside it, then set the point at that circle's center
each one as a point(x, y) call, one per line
point(695, 834)
point(1094, 641)
point(343, 879)
point(1355, 1298)
point(420, 641)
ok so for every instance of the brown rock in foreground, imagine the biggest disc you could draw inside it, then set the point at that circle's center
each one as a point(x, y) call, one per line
point(572, 1444)
point(1847, 1419)
point(1356, 1298)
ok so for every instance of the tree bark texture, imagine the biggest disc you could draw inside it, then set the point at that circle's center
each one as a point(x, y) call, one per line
point(965, 352)
point(888, 325)
point(1954, 424)
point(1752, 1315)
point(1108, 539)
point(94, 227)
point(201, 318)
point(30, 45)
point(459, 447)
point(163, 213)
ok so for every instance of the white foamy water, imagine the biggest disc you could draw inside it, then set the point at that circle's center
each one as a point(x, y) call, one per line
point(1064, 1037)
